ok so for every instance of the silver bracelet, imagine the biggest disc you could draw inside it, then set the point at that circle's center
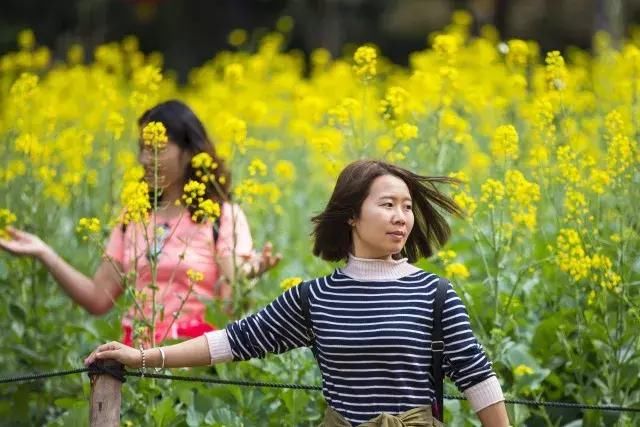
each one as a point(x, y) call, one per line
point(162, 356)
point(144, 364)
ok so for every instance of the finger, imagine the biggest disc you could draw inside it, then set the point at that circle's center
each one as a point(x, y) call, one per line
point(275, 260)
point(109, 354)
point(9, 245)
point(113, 345)
point(90, 358)
point(267, 249)
point(15, 233)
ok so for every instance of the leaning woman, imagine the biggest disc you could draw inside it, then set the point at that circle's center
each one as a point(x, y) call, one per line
point(371, 319)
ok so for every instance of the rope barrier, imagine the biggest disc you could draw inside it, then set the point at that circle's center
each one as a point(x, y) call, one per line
point(93, 369)
point(38, 376)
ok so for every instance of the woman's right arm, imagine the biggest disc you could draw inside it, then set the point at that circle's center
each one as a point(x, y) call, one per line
point(277, 328)
point(96, 295)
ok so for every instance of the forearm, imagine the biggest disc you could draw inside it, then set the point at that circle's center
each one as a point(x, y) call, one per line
point(75, 284)
point(494, 415)
point(194, 352)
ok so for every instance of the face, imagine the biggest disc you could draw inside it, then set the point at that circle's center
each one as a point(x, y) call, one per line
point(172, 162)
point(385, 220)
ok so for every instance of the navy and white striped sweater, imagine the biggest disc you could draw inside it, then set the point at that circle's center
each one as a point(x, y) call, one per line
point(373, 341)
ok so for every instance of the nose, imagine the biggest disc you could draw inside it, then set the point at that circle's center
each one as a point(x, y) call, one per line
point(144, 157)
point(398, 217)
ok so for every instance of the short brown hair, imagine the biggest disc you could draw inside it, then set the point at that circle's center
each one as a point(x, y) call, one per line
point(332, 232)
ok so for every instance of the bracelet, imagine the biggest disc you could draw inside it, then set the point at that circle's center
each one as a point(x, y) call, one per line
point(162, 356)
point(144, 364)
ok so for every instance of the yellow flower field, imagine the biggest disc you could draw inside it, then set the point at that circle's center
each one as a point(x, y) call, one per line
point(545, 145)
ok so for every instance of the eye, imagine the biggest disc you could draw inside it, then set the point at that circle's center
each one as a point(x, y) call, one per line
point(408, 207)
point(387, 205)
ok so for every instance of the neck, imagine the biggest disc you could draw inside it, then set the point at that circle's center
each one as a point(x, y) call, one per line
point(375, 269)
point(167, 205)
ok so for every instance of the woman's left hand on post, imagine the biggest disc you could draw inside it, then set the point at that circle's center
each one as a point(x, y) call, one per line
point(128, 356)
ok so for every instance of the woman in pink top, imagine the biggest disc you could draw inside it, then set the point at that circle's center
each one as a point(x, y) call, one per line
point(213, 249)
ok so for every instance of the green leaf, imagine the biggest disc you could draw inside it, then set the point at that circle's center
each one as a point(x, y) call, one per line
point(17, 312)
point(194, 418)
point(164, 412)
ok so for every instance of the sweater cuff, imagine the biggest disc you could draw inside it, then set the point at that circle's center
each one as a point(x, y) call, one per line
point(484, 394)
point(219, 347)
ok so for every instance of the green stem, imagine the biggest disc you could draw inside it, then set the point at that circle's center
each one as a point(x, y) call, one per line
point(154, 257)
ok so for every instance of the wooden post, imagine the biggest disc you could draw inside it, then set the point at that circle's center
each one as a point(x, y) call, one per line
point(105, 396)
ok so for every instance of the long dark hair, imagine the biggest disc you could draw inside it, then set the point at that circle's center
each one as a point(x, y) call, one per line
point(186, 130)
point(332, 232)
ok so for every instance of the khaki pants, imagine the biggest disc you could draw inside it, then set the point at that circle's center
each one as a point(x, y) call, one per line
point(416, 417)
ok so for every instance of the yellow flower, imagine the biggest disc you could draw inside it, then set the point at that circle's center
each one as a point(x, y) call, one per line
point(237, 37)
point(556, 72)
point(571, 256)
point(344, 113)
point(406, 132)
point(257, 167)
point(26, 39)
point(492, 191)
point(193, 190)
point(147, 78)
point(202, 161)
point(195, 276)
point(620, 148)
point(233, 73)
point(454, 126)
point(194, 197)
point(461, 176)
point(24, 86)
point(518, 53)
point(591, 298)
point(599, 180)
point(575, 204)
point(6, 219)
point(285, 170)
point(154, 135)
point(567, 164)
point(207, 209)
point(290, 282)
point(447, 46)
point(284, 24)
point(466, 202)
point(87, 227)
point(446, 256)
point(504, 143)
point(395, 103)
point(204, 167)
point(456, 270)
point(135, 199)
point(523, 197)
point(365, 60)
point(522, 370)
point(115, 124)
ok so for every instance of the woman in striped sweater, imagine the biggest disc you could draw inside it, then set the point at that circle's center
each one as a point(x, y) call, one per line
point(371, 320)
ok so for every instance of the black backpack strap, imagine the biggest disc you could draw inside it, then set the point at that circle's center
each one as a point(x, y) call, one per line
point(437, 347)
point(304, 303)
point(216, 229)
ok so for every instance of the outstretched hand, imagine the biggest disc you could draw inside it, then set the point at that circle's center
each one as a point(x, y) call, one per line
point(262, 262)
point(128, 356)
point(23, 243)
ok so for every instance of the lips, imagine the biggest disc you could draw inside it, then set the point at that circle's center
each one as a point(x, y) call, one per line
point(397, 233)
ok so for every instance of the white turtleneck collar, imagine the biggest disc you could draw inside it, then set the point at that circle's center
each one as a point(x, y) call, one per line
point(377, 269)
